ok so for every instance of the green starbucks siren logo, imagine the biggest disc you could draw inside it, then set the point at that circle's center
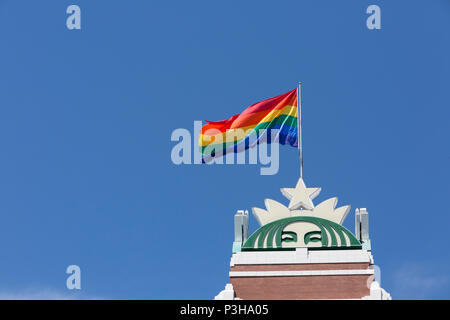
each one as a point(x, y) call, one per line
point(301, 231)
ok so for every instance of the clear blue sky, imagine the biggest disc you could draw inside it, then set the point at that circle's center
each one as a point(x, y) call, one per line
point(86, 117)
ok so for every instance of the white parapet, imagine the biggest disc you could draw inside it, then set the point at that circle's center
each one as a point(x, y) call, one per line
point(301, 256)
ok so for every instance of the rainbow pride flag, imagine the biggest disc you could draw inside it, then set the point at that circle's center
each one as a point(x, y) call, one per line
point(245, 130)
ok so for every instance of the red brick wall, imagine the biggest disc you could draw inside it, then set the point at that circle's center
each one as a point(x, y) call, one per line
point(301, 287)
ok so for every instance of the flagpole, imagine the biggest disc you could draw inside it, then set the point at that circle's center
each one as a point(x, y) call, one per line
point(299, 124)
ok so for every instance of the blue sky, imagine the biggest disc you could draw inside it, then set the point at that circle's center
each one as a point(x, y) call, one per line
point(86, 116)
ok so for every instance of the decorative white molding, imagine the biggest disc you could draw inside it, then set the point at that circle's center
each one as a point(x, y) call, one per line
point(377, 293)
point(300, 256)
point(227, 293)
point(301, 273)
point(300, 198)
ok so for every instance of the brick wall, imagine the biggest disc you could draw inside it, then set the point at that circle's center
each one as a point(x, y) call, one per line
point(301, 287)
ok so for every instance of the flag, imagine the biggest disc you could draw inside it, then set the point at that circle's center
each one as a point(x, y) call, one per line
point(244, 130)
